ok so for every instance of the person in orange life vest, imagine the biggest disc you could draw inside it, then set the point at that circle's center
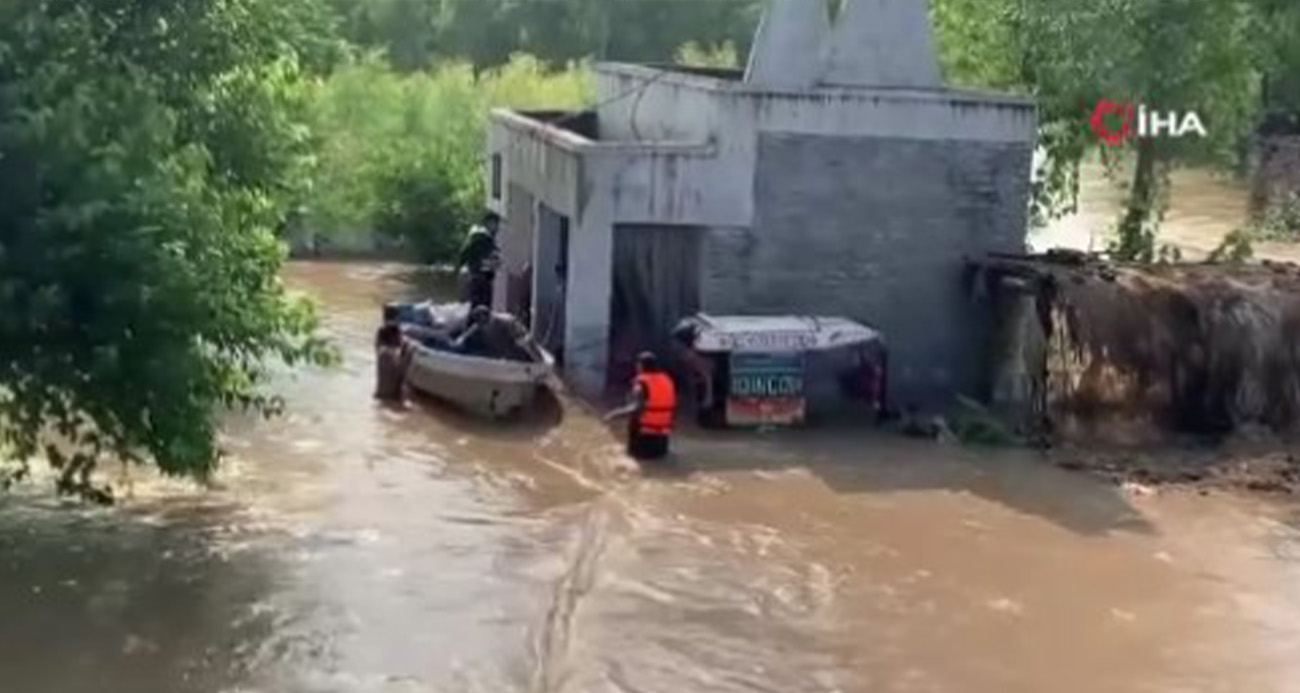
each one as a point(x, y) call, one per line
point(651, 410)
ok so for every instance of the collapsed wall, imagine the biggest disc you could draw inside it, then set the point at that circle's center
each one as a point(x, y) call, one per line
point(1203, 349)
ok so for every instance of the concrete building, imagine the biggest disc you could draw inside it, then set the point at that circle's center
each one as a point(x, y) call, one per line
point(836, 176)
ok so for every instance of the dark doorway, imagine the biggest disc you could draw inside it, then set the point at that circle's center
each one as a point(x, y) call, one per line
point(517, 238)
point(550, 280)
point(656, 284)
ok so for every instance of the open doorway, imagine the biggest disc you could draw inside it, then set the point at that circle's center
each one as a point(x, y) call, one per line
point(516, 239)
point(656, 284)
point(550, 280)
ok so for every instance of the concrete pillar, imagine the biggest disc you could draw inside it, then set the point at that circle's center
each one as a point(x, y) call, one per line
point(788, 48)
point(548, 317)
point(591, 284)
point(882, 43)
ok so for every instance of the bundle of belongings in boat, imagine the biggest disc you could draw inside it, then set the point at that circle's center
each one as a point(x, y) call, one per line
point(456, 328)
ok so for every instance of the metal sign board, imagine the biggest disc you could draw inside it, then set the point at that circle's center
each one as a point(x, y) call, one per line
point(766, 389)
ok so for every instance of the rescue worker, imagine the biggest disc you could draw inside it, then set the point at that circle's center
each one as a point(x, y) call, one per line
point(651, 410)
point(481, 256)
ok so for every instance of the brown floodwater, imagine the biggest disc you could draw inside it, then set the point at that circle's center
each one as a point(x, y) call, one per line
point(1204, 206)
point(354, 548)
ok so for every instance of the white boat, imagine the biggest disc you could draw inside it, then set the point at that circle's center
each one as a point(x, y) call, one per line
point(489, 387)
point(494, 388)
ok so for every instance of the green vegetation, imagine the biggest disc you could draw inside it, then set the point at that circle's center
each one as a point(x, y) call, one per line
point(145, 149)
point(401, 154)
point(694, 54)
point(420, 34)
point(1209, 56)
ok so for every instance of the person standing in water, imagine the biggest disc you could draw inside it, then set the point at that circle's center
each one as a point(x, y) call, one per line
point(390, 363)
point(651, 410)
point(481, 256)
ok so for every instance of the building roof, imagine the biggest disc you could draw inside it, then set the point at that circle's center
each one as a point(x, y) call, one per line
point(777, 333)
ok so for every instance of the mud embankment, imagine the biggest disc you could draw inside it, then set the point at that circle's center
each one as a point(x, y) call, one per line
point(1252, 467)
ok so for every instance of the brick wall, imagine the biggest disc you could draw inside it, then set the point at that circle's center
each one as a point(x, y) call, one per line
point(877, 229)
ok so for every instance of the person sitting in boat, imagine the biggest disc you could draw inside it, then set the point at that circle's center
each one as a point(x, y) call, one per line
point(651, 410)
point(496, 336)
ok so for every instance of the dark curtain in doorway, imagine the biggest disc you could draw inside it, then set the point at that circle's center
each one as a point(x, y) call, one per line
point(656, 284)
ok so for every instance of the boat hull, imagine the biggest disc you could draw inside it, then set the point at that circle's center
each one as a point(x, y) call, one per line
point(491, 388)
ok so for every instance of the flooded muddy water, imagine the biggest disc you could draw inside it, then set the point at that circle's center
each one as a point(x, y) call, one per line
point(350, 547)
point(1204, 206)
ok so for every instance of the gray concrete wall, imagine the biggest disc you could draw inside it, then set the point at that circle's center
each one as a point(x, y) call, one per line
point(547, 162)
point(882, 43)
point(669, 184)
point(730, 116)
point(516, 241)
point(880, 228)
point(658, 105)
point(684, 149)
point(586, 326)
point(787, 50)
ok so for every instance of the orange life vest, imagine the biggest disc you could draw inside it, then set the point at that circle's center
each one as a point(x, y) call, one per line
point(660, 403)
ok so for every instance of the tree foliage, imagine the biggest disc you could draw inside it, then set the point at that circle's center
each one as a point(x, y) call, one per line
point(146, 151)
point(419, 34)
point(402, 154)
point(722, 55)
point(1279, 57)
point(1185, 55)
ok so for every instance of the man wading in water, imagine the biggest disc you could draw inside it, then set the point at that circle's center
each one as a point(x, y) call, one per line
point(390, 361)
point(651, 409)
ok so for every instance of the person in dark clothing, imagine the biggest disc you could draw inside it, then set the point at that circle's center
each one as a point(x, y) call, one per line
point(496, 336)
point(390, 363)
point(651, 410)
point(865, 381)
point(700, 365)
point(481, 256)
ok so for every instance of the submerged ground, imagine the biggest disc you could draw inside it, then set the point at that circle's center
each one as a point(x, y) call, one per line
point(355, 548)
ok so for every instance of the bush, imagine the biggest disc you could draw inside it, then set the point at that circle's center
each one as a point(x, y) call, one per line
point(400, 155)
point(723, 55)
point(1282, 219)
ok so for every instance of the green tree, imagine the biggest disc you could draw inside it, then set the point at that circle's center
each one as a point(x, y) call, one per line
point(975, 42)
point(147, 151)
point(1170, 54)
point(418, 34)
point(402, 154)
point(720, 56)
point(1279, 32)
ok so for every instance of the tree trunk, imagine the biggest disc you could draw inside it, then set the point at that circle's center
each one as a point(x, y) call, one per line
point(1136, 242)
